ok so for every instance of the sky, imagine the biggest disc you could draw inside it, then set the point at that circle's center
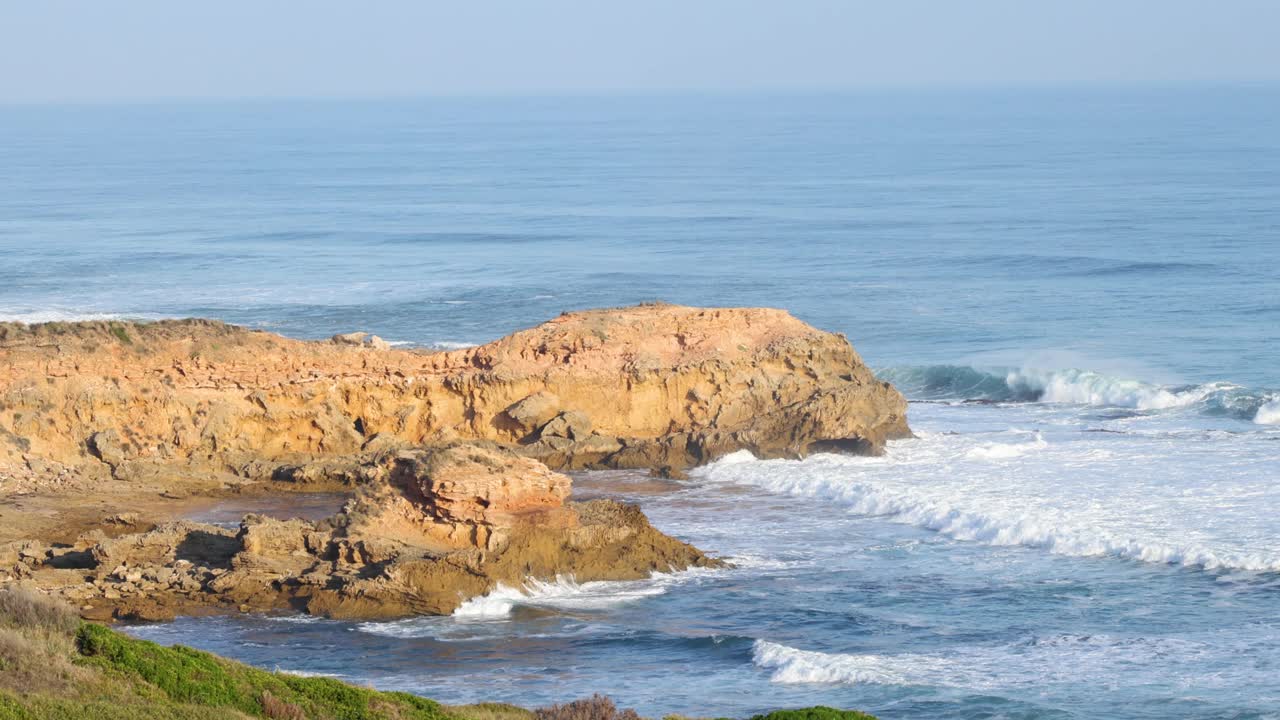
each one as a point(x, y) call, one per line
point(92, 51)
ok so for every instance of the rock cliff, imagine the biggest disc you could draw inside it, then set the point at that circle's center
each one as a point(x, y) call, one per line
point(647, 386)
point(106, 429)
point(432, 529)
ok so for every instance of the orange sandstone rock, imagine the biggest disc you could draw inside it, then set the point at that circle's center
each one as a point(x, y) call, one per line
point(646, 386)
point(440, 526)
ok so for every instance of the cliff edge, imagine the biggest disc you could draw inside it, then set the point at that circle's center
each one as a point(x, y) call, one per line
point(647, 386)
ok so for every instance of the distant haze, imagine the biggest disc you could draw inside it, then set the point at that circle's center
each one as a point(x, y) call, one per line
point(158, 49)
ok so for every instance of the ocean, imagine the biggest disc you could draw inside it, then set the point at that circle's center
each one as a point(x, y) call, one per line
point(1078, 289)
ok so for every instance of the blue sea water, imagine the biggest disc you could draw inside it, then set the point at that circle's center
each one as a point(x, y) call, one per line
point(1078, 289)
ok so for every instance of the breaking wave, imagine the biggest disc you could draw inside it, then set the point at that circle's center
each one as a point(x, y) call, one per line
point(829, 478)
point(1078, 387)
point(1269, 413)
point(792, 666)
point(1033, 662)
point(561, 593)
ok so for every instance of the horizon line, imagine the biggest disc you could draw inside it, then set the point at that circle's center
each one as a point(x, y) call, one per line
point(590, 93)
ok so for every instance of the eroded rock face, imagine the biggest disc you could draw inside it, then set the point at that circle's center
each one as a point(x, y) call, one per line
point(460, 496)
point(450, 454)
point(440, 526)
point(647, 386)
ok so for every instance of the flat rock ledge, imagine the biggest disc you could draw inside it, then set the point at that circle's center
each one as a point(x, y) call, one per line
point(435, 528)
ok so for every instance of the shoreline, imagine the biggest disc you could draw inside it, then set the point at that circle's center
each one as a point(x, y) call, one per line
point(56, 665)
point(111, 432)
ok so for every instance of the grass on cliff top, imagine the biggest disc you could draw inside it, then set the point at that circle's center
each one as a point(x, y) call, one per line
point(54, 667)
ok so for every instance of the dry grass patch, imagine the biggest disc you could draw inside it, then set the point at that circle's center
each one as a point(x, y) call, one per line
point(37, 649)
point(596, 707)
point(277, 709)
point(27, 609)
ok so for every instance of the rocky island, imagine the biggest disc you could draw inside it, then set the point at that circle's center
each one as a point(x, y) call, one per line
point(110, 432)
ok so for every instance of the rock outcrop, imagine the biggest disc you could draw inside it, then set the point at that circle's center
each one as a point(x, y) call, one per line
point(107, 428)
point(438, 527)
point(648, 386)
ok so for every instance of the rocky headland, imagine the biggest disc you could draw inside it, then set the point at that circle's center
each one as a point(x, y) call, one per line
point(110, 431)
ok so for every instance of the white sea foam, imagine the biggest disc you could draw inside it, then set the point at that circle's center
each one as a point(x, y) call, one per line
point(31, 317)
point(563, 593)
point(1084, 387)
point(756, 562)
point(307, 673)
point(1035, 663)
point(1269, 413)
point(450, 345)
point(738, 457)
point(1005, 451)
point(790, 665)
point(296, 619)
point(1071, 498)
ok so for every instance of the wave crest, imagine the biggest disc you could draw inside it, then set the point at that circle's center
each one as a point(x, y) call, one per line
point(1032, 662)
point(835, 480)
point(1268, 413)
point(792, 666)
point(1076, 387)
point(562, 593)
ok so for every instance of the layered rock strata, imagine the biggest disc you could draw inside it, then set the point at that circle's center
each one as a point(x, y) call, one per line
point(647, 386)
point(436, 527)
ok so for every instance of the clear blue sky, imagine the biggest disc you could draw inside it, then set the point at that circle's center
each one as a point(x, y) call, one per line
point(95, 50)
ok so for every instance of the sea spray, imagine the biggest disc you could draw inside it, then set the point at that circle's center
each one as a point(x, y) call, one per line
point(1268, 413)
point(561, 593)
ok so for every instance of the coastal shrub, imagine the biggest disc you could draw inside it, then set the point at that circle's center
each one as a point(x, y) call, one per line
point(490, 711)
point(344, 701)
point(121, 334)
point(817, 712)
point(46, 707)
point(183, 674)
point(596, 707)
point(24, 608)
point(194, 677)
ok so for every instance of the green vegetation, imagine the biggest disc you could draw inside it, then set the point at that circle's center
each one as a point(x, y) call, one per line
point(817, 712)
point(54, 667)
point(121, 334)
